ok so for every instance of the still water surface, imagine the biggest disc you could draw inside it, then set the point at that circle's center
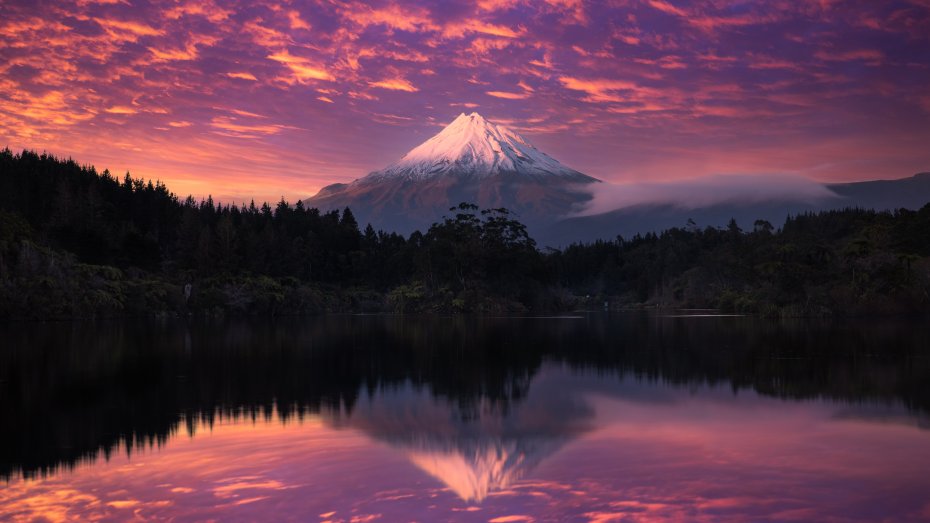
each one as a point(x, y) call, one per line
point(602, 418)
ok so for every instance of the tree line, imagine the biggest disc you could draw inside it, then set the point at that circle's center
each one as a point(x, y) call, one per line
point(75, 242)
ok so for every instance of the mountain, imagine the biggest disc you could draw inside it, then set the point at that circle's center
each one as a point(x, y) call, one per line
point(471, 160)
point(474, 160)
point(471, 146)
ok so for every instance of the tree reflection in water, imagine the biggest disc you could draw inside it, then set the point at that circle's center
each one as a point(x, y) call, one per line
point(454, 393)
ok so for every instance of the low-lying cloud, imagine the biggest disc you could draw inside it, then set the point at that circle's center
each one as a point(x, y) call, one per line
point(705, 192)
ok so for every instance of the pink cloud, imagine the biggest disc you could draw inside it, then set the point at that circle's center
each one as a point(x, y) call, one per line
point(867, 55)
point(667, 7)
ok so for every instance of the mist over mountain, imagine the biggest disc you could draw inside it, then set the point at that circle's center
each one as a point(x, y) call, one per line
point(707, 192)
point(626, 210)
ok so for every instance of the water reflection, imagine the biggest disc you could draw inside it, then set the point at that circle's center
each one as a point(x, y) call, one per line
point(478, 450)
point(345, 418)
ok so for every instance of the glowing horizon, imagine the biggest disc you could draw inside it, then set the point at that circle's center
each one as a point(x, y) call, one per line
point(259, 100)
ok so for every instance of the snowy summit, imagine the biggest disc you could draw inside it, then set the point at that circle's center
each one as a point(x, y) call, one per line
point(472, 146)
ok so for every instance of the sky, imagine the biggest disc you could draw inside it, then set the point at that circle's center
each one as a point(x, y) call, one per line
point(261, 99)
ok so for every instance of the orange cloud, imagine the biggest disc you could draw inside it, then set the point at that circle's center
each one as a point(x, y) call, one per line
point(598, 90)
point(188, 53)
point(665, 62)
point(393, 16)
point(230, 127)
point(459, 30)
point(711, 22)
point(249, 114)
point(361, 95)
point(295, 21)
point(396, 84)
point(120, 109)
point(402, 56)
point(265, 36)
point(302, 68)
point(508, 96)
point(127, 29)
point(30, 116)
point(497, 5)
point(242, 76)
point(666, 7)
point(205, 8)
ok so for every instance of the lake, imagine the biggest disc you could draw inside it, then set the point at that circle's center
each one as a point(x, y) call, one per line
point(589, 417)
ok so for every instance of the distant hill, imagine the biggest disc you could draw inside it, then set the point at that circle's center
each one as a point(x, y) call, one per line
point(908, 193)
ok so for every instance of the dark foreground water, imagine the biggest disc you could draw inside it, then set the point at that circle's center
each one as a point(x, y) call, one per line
point(370, 418)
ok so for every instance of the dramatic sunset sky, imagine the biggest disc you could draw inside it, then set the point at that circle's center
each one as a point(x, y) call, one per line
point(260, 99)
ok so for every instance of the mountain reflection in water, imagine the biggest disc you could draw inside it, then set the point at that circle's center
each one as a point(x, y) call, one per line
point(482, 449)
point(597, 418)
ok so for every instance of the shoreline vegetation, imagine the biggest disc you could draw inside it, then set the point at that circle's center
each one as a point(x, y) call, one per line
point(78, 244)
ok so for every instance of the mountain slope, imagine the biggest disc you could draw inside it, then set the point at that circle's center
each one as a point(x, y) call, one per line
point(908, 193)
point(470, 160)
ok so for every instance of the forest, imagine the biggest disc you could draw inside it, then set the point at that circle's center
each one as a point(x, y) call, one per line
point(76, 243)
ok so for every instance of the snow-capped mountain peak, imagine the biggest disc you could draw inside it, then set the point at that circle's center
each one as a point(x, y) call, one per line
point(470, 160)
point(473, 146)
